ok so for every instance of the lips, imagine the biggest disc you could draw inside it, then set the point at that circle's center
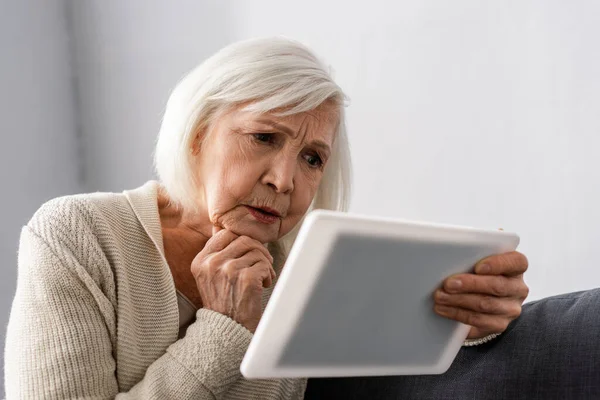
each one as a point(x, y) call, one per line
point(264, 214)
point(268, 210)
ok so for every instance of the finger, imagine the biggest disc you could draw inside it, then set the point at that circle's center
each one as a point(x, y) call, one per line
point(232, 266)
point(258, 272)
point(271, 270)
point(510, 308)
point(242, 245)
point(499, 286)
point(476, 333)
point(509, 264)
point(484, 322)
point(267, 273)
point(216, 229)
point(219, 241)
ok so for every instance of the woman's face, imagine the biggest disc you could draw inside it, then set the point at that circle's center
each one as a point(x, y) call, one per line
point(258, 173)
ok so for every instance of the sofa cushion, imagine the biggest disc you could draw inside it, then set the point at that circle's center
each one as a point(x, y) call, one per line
point(552, 351)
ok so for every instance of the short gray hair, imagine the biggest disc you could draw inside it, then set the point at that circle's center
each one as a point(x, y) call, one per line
point(269, 74)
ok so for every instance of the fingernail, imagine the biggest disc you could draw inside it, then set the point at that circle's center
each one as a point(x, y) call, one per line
point(483, 269)
point(442, 309)
point(442, 296)
point(454, 284)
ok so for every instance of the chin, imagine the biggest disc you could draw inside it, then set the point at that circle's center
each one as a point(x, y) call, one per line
point(256, 230)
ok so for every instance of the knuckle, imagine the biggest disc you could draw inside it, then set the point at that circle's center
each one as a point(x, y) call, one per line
point(266, 259)
point(264, 266)
point(255, 252)
point(198, 274)
point(202, 267)
point(253, 256)
point(473, 319)
point(514, 287)
point(499, 287)
point(524, 291)
point(196, 267)
point(262, 256)
point(515, 311)
point(500, 325)
point(229, 268)
point(211, 265)
point(487, 304)
point(471, 282)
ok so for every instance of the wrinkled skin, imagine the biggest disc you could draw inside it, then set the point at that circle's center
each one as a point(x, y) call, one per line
point(245, 161)
point(217, 254)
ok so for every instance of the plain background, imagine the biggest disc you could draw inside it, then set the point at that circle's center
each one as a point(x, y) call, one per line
point(479, 113)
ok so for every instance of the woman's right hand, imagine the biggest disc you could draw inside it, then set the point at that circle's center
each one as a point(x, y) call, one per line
point(231, 273)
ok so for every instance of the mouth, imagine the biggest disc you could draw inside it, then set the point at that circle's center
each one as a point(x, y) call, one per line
point(264, 214)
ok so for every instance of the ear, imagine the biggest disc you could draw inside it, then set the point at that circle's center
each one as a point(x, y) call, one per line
point(195, 146)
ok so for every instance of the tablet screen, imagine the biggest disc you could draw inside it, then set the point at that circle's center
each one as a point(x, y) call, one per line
point(342, 326)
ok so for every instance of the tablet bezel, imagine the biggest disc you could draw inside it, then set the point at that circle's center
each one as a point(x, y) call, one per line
point(318, 232)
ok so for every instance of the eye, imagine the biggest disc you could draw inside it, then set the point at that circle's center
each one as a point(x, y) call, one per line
point(314, 160)
point(263, 137)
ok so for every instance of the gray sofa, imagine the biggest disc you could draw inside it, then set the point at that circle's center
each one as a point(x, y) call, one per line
point(551, 352)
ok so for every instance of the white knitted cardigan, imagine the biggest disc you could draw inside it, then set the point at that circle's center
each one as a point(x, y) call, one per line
point(95, 312)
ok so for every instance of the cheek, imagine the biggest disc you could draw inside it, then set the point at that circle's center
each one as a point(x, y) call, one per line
point(299, 204)
point(231, 180)
point(303, 195)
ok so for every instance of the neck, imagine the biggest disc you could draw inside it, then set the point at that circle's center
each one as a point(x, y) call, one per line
point(184, 232)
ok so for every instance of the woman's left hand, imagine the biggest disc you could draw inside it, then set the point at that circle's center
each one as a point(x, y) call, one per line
point(488, 299)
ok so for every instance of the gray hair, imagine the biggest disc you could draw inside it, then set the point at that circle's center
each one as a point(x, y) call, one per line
point(269, 74)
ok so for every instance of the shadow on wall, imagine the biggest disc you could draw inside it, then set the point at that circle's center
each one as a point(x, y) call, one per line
point(85, 85)
point(38, 155)
point(128, 57)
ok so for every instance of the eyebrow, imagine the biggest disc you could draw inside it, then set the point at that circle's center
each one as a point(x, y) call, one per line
point(277, 126)
point(317, 143)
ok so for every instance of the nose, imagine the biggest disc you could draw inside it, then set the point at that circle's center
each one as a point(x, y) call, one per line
point(280, 174)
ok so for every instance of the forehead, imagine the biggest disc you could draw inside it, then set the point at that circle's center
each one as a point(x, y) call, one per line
point(319, 123)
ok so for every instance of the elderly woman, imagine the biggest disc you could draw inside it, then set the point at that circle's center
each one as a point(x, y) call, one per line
point(155, 293)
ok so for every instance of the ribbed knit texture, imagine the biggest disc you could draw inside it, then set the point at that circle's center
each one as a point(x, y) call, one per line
point(95, 313)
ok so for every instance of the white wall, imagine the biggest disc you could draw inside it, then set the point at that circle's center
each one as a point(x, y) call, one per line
point(481, 113)
point(38, 149)
point(129, 56)
point(469, 112)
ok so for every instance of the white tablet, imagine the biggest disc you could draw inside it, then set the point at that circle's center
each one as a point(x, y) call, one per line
point(355, 298)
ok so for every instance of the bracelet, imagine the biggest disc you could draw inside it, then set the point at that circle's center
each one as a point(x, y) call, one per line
point(477, 342)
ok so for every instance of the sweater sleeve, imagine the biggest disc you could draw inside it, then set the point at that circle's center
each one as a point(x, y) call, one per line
point(58, 344)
